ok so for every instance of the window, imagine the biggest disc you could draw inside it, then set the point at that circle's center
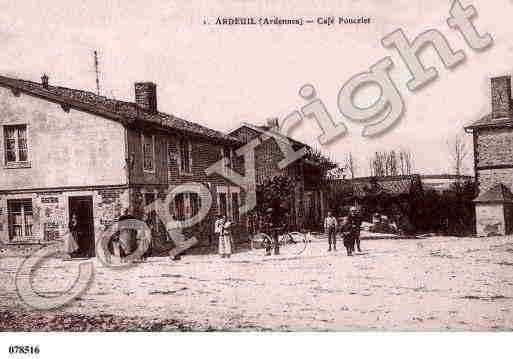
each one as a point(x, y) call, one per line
point(223, 205)
point(180, 207)
point(149, 198)
point(20, 219)
point(228, 202)
point(195, 203)
point(148, 144)
point(226, 154)
point(185, 156)
point(235, 207)
point(16, 148)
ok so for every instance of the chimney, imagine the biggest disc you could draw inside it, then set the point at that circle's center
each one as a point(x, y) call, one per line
point(273, 123)
point(44, 81)
point(146, 96)
point(501, 96)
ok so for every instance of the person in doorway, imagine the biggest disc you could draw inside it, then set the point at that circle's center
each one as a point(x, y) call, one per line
point(71, 241)
point(330, 228)
point(127, 235)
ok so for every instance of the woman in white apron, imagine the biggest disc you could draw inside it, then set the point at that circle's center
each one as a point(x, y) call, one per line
point(71, 240)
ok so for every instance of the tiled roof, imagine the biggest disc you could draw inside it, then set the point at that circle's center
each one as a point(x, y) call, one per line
point(392, 185)
point(490, 121)
point(294, 142)
point(261, 130)
point(498, 193)
point(389, 186)
point(126, 112)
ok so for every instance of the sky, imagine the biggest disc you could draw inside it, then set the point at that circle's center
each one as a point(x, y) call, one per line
point(221, 76)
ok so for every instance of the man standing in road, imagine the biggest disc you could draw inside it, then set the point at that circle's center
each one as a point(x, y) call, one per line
point(330, 228)
point(358, 221)
point(351, 230)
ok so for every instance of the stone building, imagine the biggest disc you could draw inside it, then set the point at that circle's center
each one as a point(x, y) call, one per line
point(309, 196)
point(69, 151)
point(493, 161)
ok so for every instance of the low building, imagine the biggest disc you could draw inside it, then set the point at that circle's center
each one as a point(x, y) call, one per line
point(387, 194)
point(443, 182)
point(493, 208)
point(493, 158)
point(68, 151)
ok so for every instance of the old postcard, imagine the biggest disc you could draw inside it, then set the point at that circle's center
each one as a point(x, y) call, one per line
point(255, 166)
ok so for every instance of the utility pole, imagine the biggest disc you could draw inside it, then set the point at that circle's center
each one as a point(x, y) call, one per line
point(97, 71)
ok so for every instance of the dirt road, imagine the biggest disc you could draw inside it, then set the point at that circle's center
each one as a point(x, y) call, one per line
point(427, 284)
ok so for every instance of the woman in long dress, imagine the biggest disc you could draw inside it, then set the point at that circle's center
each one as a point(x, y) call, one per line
point(227, 234)
point(225, 237)
point(71, 240)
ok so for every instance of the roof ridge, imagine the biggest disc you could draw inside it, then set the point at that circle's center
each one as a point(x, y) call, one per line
point(107, 107)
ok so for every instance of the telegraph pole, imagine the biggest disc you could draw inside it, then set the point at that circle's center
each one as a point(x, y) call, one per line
point(97, 71)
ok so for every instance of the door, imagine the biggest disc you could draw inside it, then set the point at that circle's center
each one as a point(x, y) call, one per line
point(83, 208)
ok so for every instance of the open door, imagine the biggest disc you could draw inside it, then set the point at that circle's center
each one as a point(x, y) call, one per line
point(83, 208)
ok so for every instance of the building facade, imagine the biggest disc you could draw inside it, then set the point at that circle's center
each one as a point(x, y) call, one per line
point(493, 160)
point(67, 151)
point(308, 200)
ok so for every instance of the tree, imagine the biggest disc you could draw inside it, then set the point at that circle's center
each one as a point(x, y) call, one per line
point(377, 165)
point(391, 163)
point(405, 162)
point(275, 193)
point(351, 165)
point(458, 152)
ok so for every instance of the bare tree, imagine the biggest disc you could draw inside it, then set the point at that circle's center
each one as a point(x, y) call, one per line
point(377, 165)
point(391, 163)
point(405, 161)
point(458, 151)
point(351, 165)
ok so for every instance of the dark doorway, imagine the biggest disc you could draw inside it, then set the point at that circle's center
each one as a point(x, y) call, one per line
point(83, 208)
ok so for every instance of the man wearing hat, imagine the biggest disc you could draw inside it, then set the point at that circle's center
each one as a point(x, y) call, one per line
point(351, 230)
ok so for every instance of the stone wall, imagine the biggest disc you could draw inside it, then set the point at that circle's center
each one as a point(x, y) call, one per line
point(495, 147)
point(489, 178)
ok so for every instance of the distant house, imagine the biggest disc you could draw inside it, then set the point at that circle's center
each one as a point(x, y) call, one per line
point(309, 196)
point(386, 194)
point(493, 158)
point(442, 182)
point(70, 151)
